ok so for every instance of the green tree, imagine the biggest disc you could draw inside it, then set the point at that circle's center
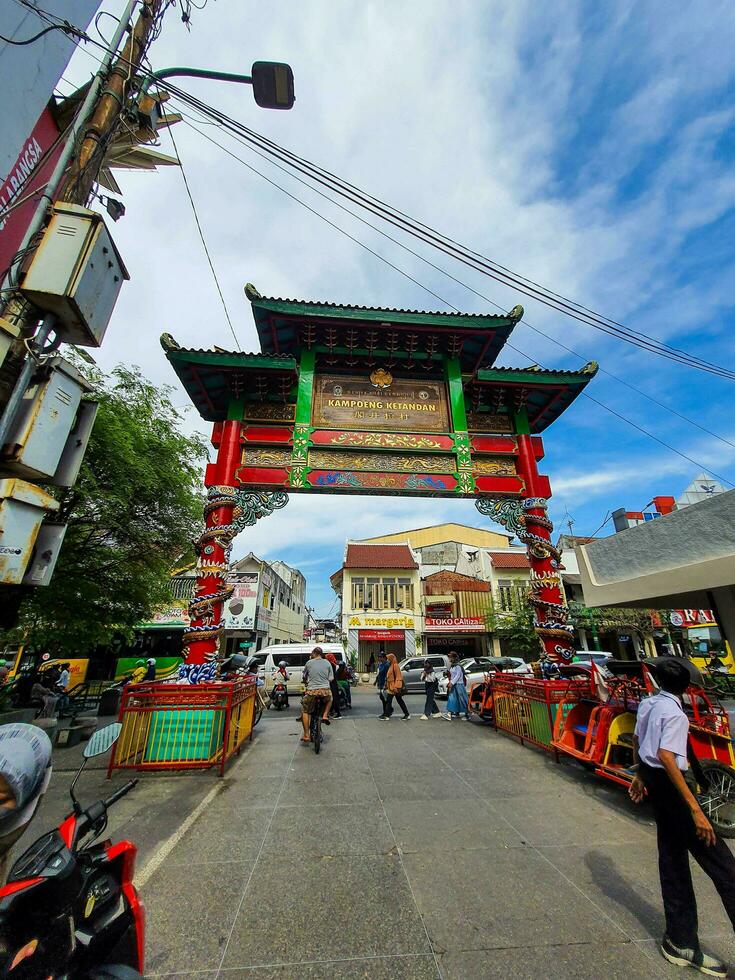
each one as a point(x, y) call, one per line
point(513, 621)
point(134, 510)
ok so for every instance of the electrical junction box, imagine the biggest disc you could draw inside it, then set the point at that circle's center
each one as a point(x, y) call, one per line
point(8, 333)
point(23, 507)
point(48, 415)
point(76, 273)
point(45, 552)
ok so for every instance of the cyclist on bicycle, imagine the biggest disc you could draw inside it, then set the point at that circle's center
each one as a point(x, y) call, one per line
point(317, 676)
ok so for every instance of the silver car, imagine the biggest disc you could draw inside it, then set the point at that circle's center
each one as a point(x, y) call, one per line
point(413, 667)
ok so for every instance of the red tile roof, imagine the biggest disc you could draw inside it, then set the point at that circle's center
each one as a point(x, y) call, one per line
point(504, 559)
point(379, 556)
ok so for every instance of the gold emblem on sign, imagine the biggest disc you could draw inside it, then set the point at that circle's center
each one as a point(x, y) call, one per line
point(380, 378)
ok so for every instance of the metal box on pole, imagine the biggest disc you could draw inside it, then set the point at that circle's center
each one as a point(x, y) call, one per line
point(45, 553)
point(23, 508)
point(76, 273)
point(48, 415)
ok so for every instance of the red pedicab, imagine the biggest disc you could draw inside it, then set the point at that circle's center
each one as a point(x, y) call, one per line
point(596, 727)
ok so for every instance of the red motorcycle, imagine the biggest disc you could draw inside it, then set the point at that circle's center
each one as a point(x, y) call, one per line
point(69, 909)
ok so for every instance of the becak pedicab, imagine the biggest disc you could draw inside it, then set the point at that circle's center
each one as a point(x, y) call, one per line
point(596, 727)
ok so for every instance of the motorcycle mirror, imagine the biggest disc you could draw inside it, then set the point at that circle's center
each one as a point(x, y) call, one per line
point(102, 740)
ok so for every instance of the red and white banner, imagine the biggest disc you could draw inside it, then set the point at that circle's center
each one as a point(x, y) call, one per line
point(30, 173)
point(463, 624)
point(382, 635)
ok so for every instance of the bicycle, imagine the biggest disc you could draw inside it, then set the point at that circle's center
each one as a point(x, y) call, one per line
point(260, 703)
point(315, 724)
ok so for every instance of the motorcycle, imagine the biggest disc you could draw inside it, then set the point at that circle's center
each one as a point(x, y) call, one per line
point(70, 909)
point(278, 697)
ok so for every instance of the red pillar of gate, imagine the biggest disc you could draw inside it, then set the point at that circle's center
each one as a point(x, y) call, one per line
point(213, 550)
point(550, 609)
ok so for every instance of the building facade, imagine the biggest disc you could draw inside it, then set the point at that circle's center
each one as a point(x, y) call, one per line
point(453, 577)
point(267, 606)
point(380, 590)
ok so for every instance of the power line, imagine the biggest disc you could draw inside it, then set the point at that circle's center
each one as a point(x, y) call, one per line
point(446, 302)
point(483, 266)
point(201, 236)
point(465, 285)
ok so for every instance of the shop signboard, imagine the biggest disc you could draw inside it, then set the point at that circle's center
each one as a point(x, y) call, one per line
point(240, 608)
point(382, 635)
point(381, 622)
point(165, 666)
point(459, 624)
point(171, 616)
point(691, 618)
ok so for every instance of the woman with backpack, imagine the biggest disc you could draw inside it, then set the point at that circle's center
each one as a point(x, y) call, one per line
point(457, 701)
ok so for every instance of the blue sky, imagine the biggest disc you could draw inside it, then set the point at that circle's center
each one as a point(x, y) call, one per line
point(587, 146)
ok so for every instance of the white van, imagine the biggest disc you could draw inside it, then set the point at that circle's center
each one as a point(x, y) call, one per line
point(296, 656)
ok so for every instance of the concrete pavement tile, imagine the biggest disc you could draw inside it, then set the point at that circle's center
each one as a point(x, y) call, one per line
point(421, 825)
point(495, 898)
point(570, 820)
point(312, 788)
point(423, 786)
point(188, 921)
point(223, 832)
point(578, 962)
point(412, 967)
point(330, 830)
point(316, 909)
point(256, 789)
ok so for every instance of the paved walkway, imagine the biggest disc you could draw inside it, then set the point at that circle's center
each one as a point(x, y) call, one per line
point(415, 850)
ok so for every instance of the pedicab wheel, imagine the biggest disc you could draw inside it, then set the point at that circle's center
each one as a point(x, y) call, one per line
point(258, 714)
point(717, 797)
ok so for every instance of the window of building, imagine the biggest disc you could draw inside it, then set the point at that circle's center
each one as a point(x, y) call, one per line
point(371, 592)
point(405, 593)
point(358, 592)
point(387, 594)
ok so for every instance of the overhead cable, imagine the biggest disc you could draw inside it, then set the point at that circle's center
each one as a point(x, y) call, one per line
point(446, 302)
point(444, 272)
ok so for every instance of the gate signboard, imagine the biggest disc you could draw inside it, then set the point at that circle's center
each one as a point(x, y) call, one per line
point(348, 399)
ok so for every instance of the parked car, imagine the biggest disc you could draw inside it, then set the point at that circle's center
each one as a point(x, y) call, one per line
point(413, 667)
point(475, 669)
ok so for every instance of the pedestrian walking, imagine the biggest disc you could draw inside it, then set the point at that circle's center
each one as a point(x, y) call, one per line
point(379, 682)
point(661, 741)
point(431, 685)
point(395, 687)
point(457, 702)
point(334, 711)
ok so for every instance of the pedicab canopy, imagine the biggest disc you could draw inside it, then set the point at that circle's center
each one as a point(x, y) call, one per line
point(355, 399)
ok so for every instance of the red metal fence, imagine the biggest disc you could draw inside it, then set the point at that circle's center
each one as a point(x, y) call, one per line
point(527, 707)
point(183, 726)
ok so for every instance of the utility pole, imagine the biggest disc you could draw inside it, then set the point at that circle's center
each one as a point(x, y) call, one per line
point(110, 107)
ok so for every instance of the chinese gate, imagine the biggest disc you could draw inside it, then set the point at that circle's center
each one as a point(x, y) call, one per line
point(345, 399)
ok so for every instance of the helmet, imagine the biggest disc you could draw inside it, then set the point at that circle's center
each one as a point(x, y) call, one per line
point(151, 661)
point(140, 663)
point(282, 663)
point(251, 664)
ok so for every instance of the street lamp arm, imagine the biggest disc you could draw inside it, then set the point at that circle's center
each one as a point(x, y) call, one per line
point(220, 76)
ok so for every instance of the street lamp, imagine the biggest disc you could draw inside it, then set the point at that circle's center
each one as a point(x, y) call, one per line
point(272, 81)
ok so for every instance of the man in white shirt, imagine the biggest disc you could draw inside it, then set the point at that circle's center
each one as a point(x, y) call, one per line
point(661, 736)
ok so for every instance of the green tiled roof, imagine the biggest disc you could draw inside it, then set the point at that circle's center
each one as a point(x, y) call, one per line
point(281, 322)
